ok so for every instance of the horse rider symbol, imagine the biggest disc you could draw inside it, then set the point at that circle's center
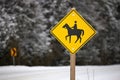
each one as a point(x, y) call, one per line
point(75, 26)
point(73, 32)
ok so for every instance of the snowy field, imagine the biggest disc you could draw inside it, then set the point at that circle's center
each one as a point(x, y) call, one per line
point(59, 73)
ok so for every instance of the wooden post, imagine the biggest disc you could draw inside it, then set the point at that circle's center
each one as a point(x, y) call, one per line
point(72, 66)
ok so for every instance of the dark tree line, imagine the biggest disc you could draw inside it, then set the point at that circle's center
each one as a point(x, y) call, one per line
point(25, 24)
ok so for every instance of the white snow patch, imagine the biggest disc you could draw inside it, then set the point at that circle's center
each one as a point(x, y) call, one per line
point(59, 73)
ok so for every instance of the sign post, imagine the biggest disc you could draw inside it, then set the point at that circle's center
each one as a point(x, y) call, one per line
point(72, 66)
point(13, 54)
point(13, 60)
point(73, 32)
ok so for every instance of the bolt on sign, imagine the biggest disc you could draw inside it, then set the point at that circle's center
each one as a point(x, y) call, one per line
point(73, 31)
point(13, 52)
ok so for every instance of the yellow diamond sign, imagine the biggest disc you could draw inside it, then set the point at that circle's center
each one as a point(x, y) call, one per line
point(73, 31)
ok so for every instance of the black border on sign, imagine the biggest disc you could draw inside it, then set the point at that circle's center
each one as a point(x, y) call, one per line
point(63, 20)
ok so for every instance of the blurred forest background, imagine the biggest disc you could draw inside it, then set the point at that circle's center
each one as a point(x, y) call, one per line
point(25, 24)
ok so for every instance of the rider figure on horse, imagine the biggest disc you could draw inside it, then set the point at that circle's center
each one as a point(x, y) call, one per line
point(75, 26)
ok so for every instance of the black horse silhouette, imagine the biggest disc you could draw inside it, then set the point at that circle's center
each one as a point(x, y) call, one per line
point(77, 32)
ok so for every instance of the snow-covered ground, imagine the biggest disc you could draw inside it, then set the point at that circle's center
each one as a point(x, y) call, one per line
point(59, 73)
